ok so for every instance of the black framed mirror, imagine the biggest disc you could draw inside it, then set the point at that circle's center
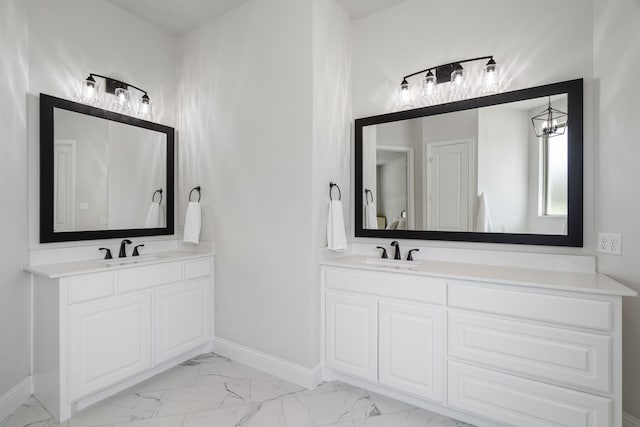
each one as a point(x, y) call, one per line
point(475, 170)
point(103, 174)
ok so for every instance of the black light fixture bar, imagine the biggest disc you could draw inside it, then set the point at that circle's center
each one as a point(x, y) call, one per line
point(443, 72)
point(113, 84)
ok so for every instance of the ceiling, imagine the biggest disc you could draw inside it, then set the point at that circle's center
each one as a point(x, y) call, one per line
point(181, 16)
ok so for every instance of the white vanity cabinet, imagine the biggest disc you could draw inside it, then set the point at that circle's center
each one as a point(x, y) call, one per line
point(490, 349)
point(100, 332)
point(385, 328)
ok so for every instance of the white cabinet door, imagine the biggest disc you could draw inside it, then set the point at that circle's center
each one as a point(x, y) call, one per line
point(351, 334)
point(182, 317)
point(411, 348)
point(109, 341)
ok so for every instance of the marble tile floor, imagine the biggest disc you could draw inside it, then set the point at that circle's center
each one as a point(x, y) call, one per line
point(214, 391)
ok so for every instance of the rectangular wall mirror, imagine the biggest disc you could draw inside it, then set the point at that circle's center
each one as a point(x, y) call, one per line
point(474, 170)
point(103, 174)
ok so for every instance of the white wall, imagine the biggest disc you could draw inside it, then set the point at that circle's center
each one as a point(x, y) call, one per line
point(416, 34)
point(137, 168)
point(503, 167)
point(331, 160)
point(74, 38)
point(245, 88)
point(264, 109)
point(616, 65)
point(14, 284)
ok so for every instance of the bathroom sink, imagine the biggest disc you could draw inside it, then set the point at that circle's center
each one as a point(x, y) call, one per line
point(130, 260)
point(393, 263)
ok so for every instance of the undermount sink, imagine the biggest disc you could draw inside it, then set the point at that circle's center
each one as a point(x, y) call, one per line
point(131, 260)
point(395, 263)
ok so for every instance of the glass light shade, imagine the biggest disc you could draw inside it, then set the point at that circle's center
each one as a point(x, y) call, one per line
point(429, 88)
point(458, 87)
point(89, 94)
point(145, 110)
point(121, 102)
point(491, 77)
point(406, 97)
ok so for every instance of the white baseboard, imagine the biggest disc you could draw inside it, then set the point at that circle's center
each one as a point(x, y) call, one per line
point(292, 372)
point(11, 400)
point(629, 420)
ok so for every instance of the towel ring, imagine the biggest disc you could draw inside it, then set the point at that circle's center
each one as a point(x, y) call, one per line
point(153, 198)
point(331, 185)
point(368, 193)
point(195, 189)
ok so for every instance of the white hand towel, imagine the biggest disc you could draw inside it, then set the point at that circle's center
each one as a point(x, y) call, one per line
point(192, 223)
point(370, 216)
point(483, 220)
point(336, 237)
point(153, 216)
point(402, 223)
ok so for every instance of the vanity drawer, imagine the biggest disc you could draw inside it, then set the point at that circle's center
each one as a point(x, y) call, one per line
point(523, 403)
point(582, 312)
point(147, 277)
point(415, 288)
point(197, 268)
point(88, 287)
point(559, 355)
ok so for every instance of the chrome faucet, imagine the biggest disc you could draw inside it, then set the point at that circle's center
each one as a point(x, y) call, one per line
point(397, 246)
point(123, 248)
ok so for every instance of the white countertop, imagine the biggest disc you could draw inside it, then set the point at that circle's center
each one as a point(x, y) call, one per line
point(594, 283)
point(63, 269)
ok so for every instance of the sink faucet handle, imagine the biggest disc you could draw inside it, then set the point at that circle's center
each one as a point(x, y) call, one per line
point(410, 255)
point(135, 250)
point(384, 252)
point(108, 254)
point(397, 246)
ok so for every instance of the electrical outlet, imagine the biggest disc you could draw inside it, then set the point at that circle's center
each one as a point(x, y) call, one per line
point(610, 243)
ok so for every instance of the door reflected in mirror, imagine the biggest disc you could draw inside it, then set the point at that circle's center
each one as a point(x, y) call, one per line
point(478, 170)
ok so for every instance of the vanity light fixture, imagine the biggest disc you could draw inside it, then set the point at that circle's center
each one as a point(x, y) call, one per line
point(550, 122)
point(454, 74)
point(121, 102)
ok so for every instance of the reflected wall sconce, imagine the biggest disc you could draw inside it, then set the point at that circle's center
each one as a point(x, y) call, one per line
point(454, 74)
point(550, 122)
point(121, 102)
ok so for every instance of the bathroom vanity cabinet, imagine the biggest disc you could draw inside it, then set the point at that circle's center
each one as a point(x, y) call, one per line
point(505, 345)
point(98, 330)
